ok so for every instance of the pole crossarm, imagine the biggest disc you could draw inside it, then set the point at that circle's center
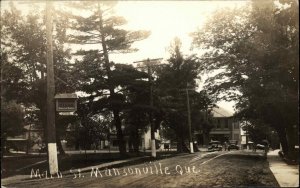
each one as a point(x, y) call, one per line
point(148, 60)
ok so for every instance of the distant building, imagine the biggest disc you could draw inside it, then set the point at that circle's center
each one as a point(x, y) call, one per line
point(145, 139)
point(29, 141)
point(226, 127)
point(34, 136)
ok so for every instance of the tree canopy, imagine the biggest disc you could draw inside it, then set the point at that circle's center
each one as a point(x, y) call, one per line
point(99, 77)
point(257, 49)
point(173, 93)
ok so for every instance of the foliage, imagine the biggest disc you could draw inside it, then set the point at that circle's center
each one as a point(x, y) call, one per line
point(24, 45)
point(100, 77)
point(173, 97)
point(257, 49)
point(91, 128)
point(257, 132)
point(136, 116)
point(25, 48)
point(12, 119)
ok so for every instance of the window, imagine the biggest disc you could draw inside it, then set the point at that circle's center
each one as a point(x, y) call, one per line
point(236, 125)
point(218, 123)
point(115, 143)
point(236, 136)
point(226, 123)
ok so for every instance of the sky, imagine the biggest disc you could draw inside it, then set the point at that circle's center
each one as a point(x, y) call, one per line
point(166, 20)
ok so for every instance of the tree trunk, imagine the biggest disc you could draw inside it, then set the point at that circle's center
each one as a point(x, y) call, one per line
point(121, 142)
point(59, 146)
point(205, 138)
point(122, 146)
point(283, 140)
point(196, 149)
point(179, 146)
point(292, 139)
point(3, 144)
point(130, 143)
point(179, 138)
point(136, 141)
point(185, 148)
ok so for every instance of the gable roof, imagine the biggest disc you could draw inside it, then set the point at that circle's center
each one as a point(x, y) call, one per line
point(221, 112)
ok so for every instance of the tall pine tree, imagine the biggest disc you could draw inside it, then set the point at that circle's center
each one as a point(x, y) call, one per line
point(102, 29)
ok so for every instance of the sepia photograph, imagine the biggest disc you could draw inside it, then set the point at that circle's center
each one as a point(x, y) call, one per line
point(149, 94)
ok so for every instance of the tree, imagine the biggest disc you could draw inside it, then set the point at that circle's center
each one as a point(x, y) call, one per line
point(131, 94)
point(257, 132)
point(104, 28)
point(257, 49)
point(25, 48)
point(136, 115)
point(12, 119)
point(62, 122)
point(202, 117)
point(13, 85)
point(92, 127)
point(172, 93)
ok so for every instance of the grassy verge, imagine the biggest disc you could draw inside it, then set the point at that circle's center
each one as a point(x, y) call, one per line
point(23, 165)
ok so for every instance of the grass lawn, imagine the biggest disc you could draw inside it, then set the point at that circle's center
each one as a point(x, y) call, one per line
point(22, 165)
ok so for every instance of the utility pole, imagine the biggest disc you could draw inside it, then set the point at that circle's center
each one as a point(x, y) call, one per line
point(149, 71)
point(189, 120)
point(153, 144)
point(52, 149)
point(3, 139)
point(1, 79)
point(247, 146)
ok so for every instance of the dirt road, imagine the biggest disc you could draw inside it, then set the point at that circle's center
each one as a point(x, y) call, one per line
point(235, 168)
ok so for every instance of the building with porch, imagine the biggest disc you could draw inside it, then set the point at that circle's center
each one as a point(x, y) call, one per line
point(226, 127)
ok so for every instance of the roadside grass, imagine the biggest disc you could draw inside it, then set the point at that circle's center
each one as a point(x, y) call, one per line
point(22, 165)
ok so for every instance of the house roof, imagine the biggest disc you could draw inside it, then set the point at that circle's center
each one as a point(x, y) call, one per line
point(221, 112)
